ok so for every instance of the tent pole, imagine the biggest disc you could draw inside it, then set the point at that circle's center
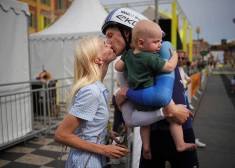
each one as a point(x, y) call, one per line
point(28, 49)
point(156, 11)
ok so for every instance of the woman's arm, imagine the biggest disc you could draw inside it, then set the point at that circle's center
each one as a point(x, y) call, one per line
point(64, 135)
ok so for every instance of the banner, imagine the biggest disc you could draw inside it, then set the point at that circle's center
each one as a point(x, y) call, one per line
point(195, 83)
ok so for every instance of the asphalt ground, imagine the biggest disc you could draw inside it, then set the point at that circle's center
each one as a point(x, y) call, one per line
point(214, 123)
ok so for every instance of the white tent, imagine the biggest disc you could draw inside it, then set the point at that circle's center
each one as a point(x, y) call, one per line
point(53, 47)
point(150, 13)
point(14, 67)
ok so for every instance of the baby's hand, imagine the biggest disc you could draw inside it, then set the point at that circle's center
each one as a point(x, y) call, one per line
point(173, 53)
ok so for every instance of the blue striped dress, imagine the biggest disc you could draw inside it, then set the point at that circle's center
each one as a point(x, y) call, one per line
point(90, 105)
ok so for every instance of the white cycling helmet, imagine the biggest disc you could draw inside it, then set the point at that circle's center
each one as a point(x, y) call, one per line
point(124, 19)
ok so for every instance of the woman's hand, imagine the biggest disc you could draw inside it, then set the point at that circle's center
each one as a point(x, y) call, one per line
point(114, 151)
point(178, 112)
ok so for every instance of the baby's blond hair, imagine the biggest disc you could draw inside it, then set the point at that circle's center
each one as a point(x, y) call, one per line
point(144, 29)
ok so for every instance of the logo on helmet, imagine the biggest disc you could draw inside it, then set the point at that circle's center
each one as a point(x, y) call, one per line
point(129, 14)
point(126, 19)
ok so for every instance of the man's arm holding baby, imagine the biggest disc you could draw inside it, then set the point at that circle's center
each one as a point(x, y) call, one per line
point(177, 112)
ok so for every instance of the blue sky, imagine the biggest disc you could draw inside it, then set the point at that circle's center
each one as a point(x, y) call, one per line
point(214, 17)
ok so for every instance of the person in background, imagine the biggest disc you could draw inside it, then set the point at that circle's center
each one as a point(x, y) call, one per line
point(182, 60)
point(117, 119)
point(233, 84)
point(84, 128)
point(118, 126)
point(188, 65)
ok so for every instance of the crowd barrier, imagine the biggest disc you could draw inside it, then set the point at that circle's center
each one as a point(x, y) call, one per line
point(198, 81)
point(30, 109)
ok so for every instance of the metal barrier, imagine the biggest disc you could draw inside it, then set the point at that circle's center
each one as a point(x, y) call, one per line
point(32, 108)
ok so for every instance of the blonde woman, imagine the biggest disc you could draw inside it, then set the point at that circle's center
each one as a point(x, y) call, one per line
point(85, 126)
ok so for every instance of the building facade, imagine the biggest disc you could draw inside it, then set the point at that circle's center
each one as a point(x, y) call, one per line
point(199, 46)
point(229, 51)
point(229, 54)
point(45, 12)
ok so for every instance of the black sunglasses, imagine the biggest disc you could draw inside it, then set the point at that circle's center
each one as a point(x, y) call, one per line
point(181, 58)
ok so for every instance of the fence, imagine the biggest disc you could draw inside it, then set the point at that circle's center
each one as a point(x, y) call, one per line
point(29, 109)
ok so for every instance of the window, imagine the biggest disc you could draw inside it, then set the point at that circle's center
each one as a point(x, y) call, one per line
point(33, 20)
point(69, 3)
point(47, 21)
point(60, 4)
point(30, 21)
point(43, 1)
point(46, 2)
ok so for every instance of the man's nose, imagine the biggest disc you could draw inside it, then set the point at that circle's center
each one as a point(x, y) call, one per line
point(108, 42)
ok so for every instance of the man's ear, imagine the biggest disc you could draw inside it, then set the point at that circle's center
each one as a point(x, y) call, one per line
point(127, 33)
point(98, 61)
point(140, 43)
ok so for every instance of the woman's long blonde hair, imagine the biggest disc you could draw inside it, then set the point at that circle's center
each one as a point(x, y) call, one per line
point(86, 71)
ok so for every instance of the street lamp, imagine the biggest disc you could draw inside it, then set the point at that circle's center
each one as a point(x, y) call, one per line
point(156, 11)
point(198, 30)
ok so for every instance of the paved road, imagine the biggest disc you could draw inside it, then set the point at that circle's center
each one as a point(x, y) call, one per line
point(214, 124)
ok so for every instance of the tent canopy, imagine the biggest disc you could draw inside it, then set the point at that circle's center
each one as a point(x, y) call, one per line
point(17, 7)
point(14, 55)
point(150, 13)
point(82, 17)
point(53, 48)
point(14, 67)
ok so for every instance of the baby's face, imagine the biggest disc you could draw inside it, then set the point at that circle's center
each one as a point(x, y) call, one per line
point(153, 43)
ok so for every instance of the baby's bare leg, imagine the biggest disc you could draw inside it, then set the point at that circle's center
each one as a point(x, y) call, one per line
point(178, 136)
point(145, 136)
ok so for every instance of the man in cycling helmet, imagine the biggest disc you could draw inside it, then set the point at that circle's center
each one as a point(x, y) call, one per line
point(117, 29)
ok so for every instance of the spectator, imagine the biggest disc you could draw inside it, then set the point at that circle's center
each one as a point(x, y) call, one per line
point(186, 81)
point(233, 84)
point(118, 119)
